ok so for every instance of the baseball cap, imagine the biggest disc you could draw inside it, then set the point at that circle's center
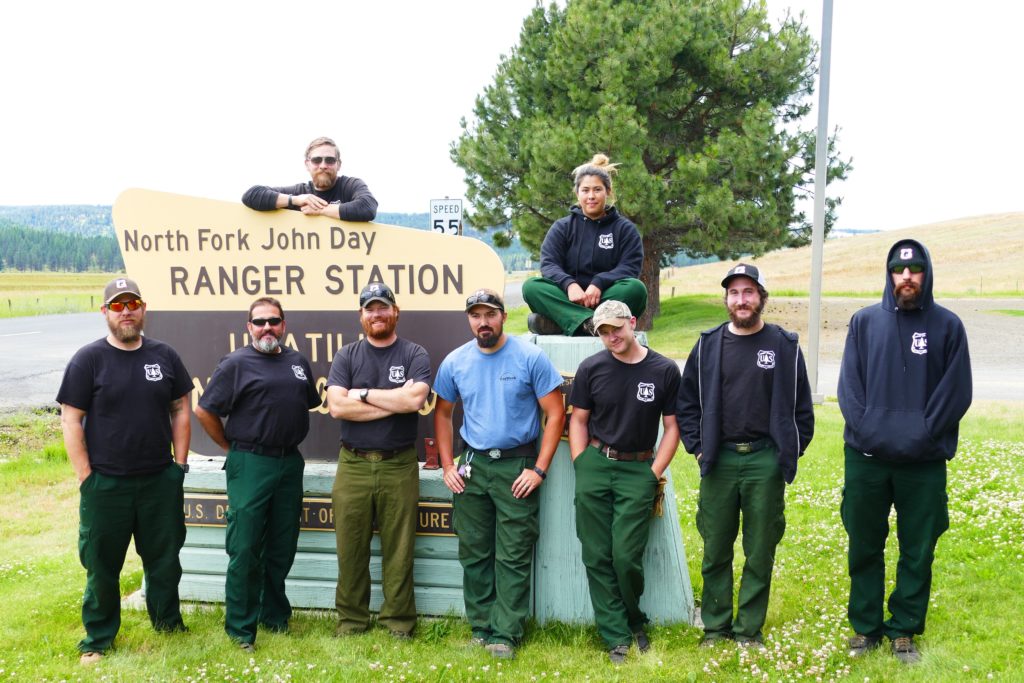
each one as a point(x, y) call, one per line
point(485, 297)
point(907, 254)
point(614, 313)
point(376, 291)
point(119, 286)
point(745, 270)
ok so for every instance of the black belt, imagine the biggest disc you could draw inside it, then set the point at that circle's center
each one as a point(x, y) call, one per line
point(260, 449)
point(624, 456)
point(749, 446)
point(526, 450)
point(375, 455)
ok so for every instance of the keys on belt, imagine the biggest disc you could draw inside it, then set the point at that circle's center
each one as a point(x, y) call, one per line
point(623, 456)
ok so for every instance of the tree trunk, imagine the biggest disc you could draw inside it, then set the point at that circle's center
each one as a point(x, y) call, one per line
point(650, 275)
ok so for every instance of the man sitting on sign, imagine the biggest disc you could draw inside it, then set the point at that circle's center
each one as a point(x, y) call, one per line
point(342, 197)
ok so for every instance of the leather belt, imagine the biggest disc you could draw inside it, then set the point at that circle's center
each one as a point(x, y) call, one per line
point(260, 449)
point(376, 455)
point(624, 456)
point(747, 447)
point(526, 450)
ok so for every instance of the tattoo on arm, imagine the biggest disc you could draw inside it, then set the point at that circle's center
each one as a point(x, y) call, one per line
point(177, 405)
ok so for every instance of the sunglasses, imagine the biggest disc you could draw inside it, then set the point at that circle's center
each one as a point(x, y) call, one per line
point(914, 268)
point(484, 298)
point(131, 305)
point(330, 161)
point(260, 322)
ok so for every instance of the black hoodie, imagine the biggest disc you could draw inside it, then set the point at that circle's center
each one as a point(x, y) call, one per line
point(905, 380)
point(581, 250)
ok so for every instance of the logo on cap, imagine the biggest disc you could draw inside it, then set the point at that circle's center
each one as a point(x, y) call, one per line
point(907, 253)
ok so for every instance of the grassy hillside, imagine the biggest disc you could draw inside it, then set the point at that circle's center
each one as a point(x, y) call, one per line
point(972, 257)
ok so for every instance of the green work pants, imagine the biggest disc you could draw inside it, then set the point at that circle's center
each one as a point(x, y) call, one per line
point(918, 492)
point(547, 298)
point(388, 491)
point(264, 504)
point(496, 533)
point(111, 511)
point(751, 485)
point(613, 516)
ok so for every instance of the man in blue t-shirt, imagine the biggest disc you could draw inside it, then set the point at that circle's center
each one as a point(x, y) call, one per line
point(126, 430)
point(265, 390)
point(504, 385)
point(376, 388)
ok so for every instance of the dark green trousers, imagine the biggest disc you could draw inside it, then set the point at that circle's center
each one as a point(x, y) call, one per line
point(613, 517)
point(918, 492)
point(389, 491)
point(111, 511)
point(748, 485)
point(547, 298)
point(264, 504)
point(496, 533)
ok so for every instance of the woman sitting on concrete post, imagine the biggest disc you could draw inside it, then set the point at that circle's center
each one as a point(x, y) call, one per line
point(592, 255)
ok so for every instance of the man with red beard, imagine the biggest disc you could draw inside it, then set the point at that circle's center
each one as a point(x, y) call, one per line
point(265, 390)
point(904, 385)
point(376, 387)
point(328, 194)
point(745, 412)
point(126, 426)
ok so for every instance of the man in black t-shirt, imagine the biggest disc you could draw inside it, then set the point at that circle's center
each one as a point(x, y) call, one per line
point(745, 412)
point(126, 424)
point(376, 387)
point(619, 398)
point(345, 198)
point(265, 390)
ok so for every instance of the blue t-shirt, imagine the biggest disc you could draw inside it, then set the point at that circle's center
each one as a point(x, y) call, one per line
point(499, 391)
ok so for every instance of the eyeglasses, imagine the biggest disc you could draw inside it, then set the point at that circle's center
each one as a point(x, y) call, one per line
point(330, 161)
point(914, 268)
point(260, 322)
point(131, 305)
point(485, 298)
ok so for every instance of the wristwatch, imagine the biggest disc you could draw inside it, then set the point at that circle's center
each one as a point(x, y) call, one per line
point(363, 395)
point(290, 205)
point(542, 473)
point(182, 465)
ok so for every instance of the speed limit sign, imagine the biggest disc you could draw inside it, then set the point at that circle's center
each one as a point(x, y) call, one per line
point(446, 216)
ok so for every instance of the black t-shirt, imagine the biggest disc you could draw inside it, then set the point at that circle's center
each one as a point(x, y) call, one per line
point(126, 396)
point(748, 368)
point(626, 401)
point(361, 365)
point(265, 396)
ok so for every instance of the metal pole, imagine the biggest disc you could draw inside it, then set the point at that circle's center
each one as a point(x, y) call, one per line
point(820, 177)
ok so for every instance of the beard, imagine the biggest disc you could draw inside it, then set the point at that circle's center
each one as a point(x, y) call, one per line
point(908, 295)
point(489, 341)
point(388, 329)
point(268, 343)
point(129, 334)
point(746, 323)
point(324, 180)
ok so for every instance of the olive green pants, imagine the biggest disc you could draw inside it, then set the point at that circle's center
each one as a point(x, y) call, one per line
point(613, 518)
point(387, 491)
point(547, 298)
point(111, 511)
point(264, 504)
point(918, 492)
point(496, 533)
point(750, 484)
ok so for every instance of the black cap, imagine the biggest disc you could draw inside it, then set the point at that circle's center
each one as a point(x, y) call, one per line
point(907, 254)
point(745, 270)
point(485, 297)
point(119, 286)
point(376, 291)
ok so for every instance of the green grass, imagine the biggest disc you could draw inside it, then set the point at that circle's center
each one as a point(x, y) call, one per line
point(976, 598)
point(1009, 311)
point(24, 294)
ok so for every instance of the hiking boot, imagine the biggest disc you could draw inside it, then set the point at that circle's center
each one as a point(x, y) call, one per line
point(247, 647)
point(477, 641)
point(905, 650)
point(501, 650)
point(617, 654)
point(750, 643)
point(643, 644)
point(90, 658)
point(541, 324)
point(713, 639)
point(400, 635)
point(861, 645)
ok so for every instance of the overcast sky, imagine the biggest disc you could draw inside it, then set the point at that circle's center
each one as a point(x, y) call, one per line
point(207, 98)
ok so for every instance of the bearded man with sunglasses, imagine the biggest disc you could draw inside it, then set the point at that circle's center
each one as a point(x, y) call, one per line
point(904, 385)
point(126, 430)
point(265, 390)
point(327, 194)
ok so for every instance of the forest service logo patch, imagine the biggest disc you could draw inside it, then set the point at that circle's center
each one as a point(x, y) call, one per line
point(300, 373)
point(645, 392)
point(919, 343)
point(606, 241)
point(153, 373)
point(766, 359)
point(397, 374)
